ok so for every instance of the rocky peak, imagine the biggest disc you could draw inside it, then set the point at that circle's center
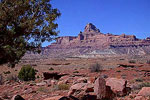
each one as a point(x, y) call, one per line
point(90, 28)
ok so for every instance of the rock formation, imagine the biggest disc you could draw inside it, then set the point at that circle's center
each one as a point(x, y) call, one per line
point(91, 42)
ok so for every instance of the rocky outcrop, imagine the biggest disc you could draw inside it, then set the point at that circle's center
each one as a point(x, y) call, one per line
point(101, 89)
point(80, 89)
point(89, 28)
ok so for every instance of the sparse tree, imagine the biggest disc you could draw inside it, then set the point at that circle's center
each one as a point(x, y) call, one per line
point(24, 25)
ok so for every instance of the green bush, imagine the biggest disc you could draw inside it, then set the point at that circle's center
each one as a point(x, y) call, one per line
point(27, 73)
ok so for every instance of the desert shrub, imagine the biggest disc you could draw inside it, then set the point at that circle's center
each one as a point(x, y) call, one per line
point(95, 68)
point(132, 61)
point(63, 87)
point(27, 73)
point(11, 78)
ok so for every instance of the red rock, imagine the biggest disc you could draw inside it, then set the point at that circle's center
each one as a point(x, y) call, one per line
point(145, 91)
point(100, 88)
point(80, 89)
point(78, 86)
point(118, 86)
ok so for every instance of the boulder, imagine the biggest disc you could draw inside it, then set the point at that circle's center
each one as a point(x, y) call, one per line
point(17, 97)
point(145, 91)
point(100, 88)
point(80, 89)
point(77, 87)
point(118, 86)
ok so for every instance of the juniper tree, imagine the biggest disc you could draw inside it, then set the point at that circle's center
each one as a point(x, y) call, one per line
point(24, 25)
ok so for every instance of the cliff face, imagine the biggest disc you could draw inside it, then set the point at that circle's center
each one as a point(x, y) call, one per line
point(93, 40)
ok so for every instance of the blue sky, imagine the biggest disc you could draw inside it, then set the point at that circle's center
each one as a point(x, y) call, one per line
point(110, 16)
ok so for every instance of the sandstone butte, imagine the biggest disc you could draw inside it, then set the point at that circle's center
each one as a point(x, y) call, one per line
point(92, 41)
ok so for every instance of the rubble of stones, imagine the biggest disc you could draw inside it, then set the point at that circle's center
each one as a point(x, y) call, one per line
point(81, 88)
